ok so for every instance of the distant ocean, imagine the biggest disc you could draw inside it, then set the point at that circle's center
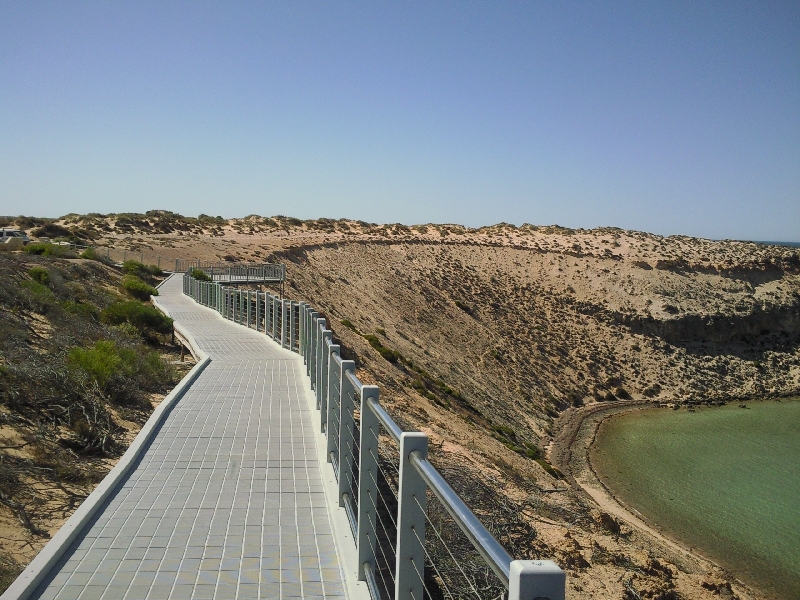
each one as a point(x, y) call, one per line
point(790, 244)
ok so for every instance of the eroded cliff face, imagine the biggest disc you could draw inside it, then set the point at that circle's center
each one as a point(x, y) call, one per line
point(523, 334)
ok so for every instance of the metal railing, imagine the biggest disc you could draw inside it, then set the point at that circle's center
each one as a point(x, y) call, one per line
point(265, 312)
point(385, 481)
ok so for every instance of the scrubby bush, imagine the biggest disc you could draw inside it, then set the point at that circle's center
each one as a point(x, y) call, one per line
point(391, 355)
point(199, 274)
point(138, 288)
point(104, 361)
point(40, 275)
point(121, 372)
point(50, 250)
point(141, 270)
point(144, 318)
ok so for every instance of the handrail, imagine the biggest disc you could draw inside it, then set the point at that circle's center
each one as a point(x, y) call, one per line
point(489, 548)
point(387, 421)
point(354, 380)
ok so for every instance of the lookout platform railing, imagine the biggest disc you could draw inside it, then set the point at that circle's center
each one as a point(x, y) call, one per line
point(385, 480)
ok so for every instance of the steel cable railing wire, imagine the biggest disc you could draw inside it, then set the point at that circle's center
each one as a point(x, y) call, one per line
point(385, 507)
point(456, 567)
point(354, 436)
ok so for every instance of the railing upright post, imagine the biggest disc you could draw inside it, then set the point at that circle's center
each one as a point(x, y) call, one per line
point(292, 326)
point(411, 498)
point(346, 436)
point(334, 437)
point(247, 300)
point(312, 350)
point(267, 313)
point(318, 349)
point(284, 336)
point(532, 579)
point(310, 317)
point(322, 393)
point(329, 400)
point(367, 518)
point(274, 317)
point(258, 311)
point(301, 341)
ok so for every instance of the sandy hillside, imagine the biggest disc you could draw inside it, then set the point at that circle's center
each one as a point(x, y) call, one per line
point(498, 341)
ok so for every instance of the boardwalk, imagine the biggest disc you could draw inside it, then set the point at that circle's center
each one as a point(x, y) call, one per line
point(227, 500)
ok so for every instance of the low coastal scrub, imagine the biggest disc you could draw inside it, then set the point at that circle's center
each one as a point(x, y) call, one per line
point(138, 288)
point(53, 250)
point(143, 318)
point(199, 274)
point(79, 364)
point(142, 271)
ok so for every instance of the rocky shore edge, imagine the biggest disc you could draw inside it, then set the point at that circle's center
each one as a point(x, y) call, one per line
point(569, 450)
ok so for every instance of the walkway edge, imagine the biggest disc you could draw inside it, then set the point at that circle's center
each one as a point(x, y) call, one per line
point(40, 566)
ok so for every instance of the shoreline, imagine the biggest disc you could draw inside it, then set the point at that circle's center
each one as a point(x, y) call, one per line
point(570, 451)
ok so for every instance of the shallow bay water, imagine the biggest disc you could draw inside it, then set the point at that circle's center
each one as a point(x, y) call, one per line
point(724, 480)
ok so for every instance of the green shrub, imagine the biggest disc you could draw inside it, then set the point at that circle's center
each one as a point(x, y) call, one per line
point(104, 361)
point(90, 253)
point(391, 355)
point(144, 318)
point(138, 288)
point(41, 296)
point(199, 274)
point(38, 249)
point(141, 270)
point(50, 250)
point(118, 370)
point(40, 275)
point(551, 470)
point(80, 308)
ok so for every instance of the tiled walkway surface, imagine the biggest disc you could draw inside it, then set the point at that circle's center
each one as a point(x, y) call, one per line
point(227, 501)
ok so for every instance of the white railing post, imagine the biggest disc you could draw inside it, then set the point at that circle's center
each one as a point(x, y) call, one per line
point(267, 313)
point(284, 328)
point(536, 580)
point(411, 508)
point(247, 303)
point(323, 366)
point(318, 350)
point(274, 317)
point(334, 409)
point(346, 436)
point(300, 337)
point(258, 311)
point(312, 349)
point(312, 318)
point(367, 537)
point(293, 326)
point(328, 400)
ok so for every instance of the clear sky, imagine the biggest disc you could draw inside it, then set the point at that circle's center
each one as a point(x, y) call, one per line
point(671, 117)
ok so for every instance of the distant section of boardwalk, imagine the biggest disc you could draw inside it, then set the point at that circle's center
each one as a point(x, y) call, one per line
point(227, 501)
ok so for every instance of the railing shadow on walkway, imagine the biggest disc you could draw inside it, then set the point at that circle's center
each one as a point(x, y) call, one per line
point(391, 493)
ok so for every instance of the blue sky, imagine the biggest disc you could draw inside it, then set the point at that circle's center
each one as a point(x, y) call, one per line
point(671, 117)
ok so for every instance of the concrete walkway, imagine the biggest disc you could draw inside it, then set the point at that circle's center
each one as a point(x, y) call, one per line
point(227, 501)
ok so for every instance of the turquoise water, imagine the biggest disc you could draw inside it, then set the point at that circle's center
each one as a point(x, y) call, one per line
point(723, 480)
